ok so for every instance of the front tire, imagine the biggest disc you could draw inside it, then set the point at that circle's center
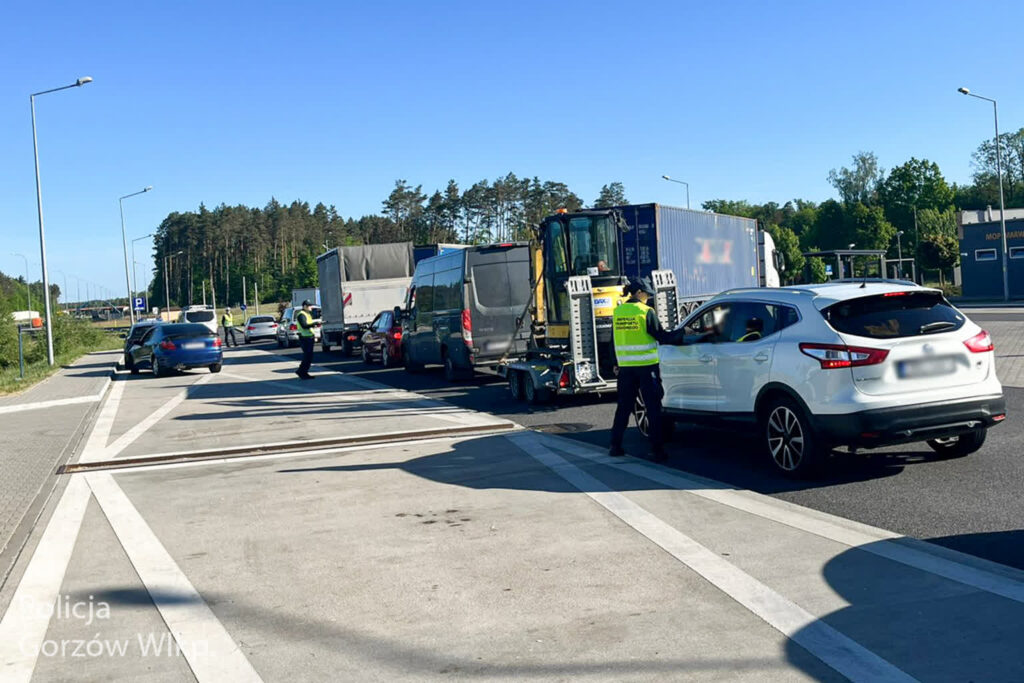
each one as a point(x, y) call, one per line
point(515, 384)
point(215, 368)
point(959, 446)
point(640, 417)
point(790, 442)
point(366, 355)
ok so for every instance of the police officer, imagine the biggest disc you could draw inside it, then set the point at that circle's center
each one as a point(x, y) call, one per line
point(637, 333)
point(304, 320)
point(228, 323)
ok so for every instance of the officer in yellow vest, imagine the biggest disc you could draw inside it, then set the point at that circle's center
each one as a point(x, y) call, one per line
point(227, 321)
point(304, 320)
point(637, 332)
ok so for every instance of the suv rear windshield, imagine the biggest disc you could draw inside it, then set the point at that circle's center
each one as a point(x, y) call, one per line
point(180, 330)
point(894, 314)
point(199, 316)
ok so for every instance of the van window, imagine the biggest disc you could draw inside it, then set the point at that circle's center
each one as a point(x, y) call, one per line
point(896, 314)
point(502, 285)
point(448, 290)
point(425, 300)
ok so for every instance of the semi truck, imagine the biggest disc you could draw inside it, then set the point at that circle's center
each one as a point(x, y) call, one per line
point(357, 283)
point(580, 263)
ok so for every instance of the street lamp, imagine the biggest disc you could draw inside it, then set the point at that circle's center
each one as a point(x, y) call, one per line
point(681, 182)
point(135, 280)
point(1002, 204)
point(39, 206)
point(167, 288)
point(899, 248)
point(124, 242)
point(28, 287)
point(65, 290)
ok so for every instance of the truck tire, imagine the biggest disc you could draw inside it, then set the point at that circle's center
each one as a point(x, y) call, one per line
point(325, 345)
point(346, 348)
point(411, 366)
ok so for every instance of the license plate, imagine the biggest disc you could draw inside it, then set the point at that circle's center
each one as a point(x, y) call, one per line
point(193, 345)
point(929, 367)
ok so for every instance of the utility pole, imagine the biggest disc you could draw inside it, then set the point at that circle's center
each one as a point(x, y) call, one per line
point(256, 296)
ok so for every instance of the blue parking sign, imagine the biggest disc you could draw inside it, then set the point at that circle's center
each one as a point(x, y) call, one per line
point(138, 305)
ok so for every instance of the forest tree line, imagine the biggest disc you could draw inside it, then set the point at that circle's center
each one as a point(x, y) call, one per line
point(274, 247)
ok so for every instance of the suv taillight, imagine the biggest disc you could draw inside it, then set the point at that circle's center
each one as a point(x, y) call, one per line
point(980, 343)
point(833, 356)
point(467, 328)
point(167, 345)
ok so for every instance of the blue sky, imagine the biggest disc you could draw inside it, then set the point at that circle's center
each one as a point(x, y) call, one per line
point(332, 101)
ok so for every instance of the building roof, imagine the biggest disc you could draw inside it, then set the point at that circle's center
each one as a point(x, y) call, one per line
point(988, 215)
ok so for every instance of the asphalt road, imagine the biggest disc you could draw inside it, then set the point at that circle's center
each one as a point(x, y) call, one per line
point(971, 504)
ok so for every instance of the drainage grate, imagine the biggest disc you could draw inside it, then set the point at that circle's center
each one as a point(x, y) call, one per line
point(562, 427)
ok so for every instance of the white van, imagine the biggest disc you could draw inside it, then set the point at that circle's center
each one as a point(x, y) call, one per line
point(204, 315)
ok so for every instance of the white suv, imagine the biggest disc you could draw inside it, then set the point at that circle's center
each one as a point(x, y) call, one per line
point(858, 364)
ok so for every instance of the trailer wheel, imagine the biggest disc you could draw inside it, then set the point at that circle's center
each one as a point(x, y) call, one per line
point(534, 394)
point(515, 383)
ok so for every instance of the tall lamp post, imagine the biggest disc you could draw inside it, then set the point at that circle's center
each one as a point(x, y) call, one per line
point(65, 290)
point(39, 206)
point(124, 242)
point(167, 288)
point(28, 287)
point(135, 280)
point(681, 182)
point(1002, 204)
point(899, 251)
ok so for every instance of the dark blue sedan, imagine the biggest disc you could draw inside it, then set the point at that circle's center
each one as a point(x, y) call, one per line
point(178, 346)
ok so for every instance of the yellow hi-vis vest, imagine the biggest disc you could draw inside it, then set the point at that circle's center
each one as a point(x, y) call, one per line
point(634, 347)
point(303, 332)
point(227, 321)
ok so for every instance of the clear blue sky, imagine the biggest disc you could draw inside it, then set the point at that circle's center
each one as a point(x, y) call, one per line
point(332, 101)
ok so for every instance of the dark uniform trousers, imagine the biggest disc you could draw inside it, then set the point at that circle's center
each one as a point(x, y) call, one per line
point(643, 380)
point(230, 330)
point(306, 344)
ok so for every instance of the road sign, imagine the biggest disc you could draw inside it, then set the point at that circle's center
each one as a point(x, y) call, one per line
point(138, 304)
point(243, 307)
point(828, 270)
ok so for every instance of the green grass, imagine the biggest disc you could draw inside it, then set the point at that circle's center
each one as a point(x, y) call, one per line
point(37, 372)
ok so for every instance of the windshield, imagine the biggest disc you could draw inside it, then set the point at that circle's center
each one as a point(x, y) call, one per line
point(896, 314)
point(183, 330)
point(594, 246)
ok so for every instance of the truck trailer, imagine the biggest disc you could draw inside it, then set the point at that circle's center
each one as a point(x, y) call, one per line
point(357, 283)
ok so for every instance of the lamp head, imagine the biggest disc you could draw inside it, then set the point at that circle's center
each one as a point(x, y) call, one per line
point(83, 80)
point(666, 177)
point(147, 188)
point(964, 91)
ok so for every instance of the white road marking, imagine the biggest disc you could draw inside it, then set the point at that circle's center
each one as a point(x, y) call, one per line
point(210, 651)
point(100, 433)
point(144, 425)
point(848, 532)
point(38, 405)
point(27, 619)
point(824, 642)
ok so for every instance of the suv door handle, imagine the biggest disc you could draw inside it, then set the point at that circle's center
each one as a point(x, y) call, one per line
point(706, 358)
point(761, 357)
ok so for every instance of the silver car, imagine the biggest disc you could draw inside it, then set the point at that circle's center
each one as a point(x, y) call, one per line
point(260, 327)
point(288, 329)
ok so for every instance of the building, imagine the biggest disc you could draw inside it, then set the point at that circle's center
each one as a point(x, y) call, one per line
point(981, 253)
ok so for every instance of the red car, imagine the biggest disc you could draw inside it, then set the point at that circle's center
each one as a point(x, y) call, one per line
point(383, 340)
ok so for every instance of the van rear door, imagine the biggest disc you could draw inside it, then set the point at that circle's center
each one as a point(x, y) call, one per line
point(498, 291)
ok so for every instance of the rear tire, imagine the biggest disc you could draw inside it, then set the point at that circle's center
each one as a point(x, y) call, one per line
point(158, 370)
point(789, 441)
point(959, 446)
point(451, 373)
point(534, 394)
point(411, 366)
point(366, 355)
point(280, 344)
point(215, 368)
point(515, 383)
point(325, 345)
point(346, 348)
point(386, 359)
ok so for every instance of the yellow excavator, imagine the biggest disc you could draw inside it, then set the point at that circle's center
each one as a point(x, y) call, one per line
point(578, 280)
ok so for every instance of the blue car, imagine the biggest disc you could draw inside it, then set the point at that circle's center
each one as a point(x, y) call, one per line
point(178, 346)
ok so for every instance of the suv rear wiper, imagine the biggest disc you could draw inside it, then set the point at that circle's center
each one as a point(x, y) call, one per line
point(937, 326)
